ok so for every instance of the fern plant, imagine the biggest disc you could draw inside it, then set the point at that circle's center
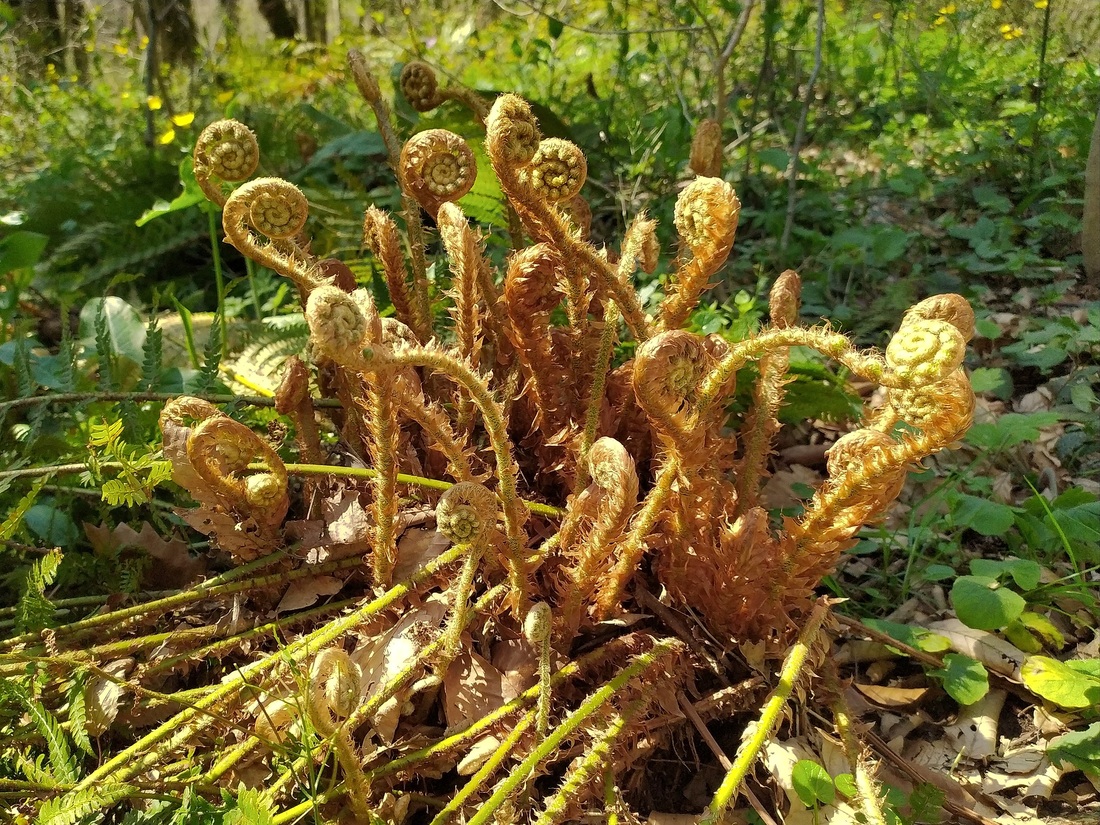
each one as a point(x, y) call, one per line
point(574, 488)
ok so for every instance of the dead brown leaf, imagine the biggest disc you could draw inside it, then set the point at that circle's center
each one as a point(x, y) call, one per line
point(175, 567)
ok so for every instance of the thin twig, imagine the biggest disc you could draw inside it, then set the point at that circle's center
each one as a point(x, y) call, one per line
point(800, 132)
point(736, 33)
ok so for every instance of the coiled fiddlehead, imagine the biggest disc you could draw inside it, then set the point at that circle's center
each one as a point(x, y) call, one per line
point(277, 209)
point(706, 219)
point(557, 170)
point(437, 167)
point(667, 371)
point(220, 450)
point(226, 150)
point(924, 351)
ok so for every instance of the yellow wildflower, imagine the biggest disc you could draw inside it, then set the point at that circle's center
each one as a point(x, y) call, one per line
point(154, 102)
point(167, 137)
point(184, 119)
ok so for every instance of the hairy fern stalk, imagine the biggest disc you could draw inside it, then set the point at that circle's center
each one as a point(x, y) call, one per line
point(578, 487)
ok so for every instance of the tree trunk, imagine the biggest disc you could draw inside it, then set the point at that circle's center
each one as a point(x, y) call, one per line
point(1090, 229)
point(317, 21)
point(279, 19)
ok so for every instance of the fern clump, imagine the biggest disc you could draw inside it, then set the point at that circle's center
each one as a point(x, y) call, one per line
point(575, 489)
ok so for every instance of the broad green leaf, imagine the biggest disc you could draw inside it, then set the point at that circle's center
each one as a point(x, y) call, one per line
point(1011, 429)
point(190, 196)
point(983, 604)
point(252, 809)
point(1042, 627)
point(990, 518)
point(1061, 684)
point(994, 380)
point(52, 525)
point(938, 573)
point(917, 637)
point(21, 249)
point(1024, 572)
point(123, 323)
point(846, 784)
point(965, 680)
point(812, 783)
point(1080, 748)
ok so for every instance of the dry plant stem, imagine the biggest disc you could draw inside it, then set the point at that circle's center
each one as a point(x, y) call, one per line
point(865, 783)
point(634, 546)
point(568, 727)
point(146, 751)
point(478, 780)
point(434, 421)
point(383, 429)
point(758, 735)
point(760, 428)
point(594, 760)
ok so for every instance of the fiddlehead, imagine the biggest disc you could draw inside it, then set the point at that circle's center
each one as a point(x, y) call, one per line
point(763, 424)
point(467, 513)
point(420, 86)
point(512, 141)
point(706, 219)
point(924, 351)
point(437, 167)
point(667, 370)
point(615, 483)
point(557, 170)
point(277, 209)
point(226, 150)
point(706, 149)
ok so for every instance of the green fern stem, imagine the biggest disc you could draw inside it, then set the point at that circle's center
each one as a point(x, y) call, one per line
point(594, 760)
point(219, 277)
point(460, 737)
point(569, 727)
point(758, 734)
point(368, 709)
point(214, 586)
point(833, 344)
point(478, 780)
point(865, 783)
point(146, 751)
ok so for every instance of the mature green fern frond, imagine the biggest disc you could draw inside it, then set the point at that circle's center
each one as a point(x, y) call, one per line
point(15, 517)
point(34, 611)
point(211, 356)
point(63, 765)
point(75, 806)
point(152, 356)
point(104, 349)
point(280, 337)
point(78, 711)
